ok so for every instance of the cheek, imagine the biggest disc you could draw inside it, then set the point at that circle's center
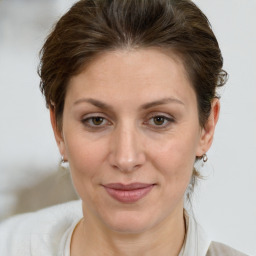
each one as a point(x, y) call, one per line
point(85, 158)
point(174, 159)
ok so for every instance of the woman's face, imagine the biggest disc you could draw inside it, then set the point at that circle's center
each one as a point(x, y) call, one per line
point(131, 135)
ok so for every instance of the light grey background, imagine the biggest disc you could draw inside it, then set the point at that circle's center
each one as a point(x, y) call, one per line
point(224, 203)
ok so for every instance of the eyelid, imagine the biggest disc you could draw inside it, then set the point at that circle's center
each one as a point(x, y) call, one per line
point(88, 117)
point(165, 115)
point(170, 119)
point(154, 114)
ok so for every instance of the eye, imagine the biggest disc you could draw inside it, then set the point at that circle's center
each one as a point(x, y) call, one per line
point(160, 121)
point(95, 121)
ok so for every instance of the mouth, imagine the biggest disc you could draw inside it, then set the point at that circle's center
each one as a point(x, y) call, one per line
point(129, 193)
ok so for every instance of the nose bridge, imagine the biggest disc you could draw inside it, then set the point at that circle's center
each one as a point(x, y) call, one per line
point(127, 151)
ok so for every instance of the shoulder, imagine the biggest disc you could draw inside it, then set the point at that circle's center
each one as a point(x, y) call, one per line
point(38, 233)
point(217, 249)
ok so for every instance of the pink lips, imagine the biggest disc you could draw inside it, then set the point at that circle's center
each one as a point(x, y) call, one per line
point(128, 193)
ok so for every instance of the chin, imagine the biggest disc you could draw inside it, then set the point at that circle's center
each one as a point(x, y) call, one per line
point(129, 227)
point(130, 222)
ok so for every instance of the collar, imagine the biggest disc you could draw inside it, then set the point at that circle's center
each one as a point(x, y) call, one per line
point(196, 241)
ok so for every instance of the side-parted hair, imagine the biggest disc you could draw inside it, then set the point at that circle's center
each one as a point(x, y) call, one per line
point(92, 27)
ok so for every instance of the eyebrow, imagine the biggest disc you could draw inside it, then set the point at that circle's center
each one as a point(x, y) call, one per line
point(161, 102)
point(103, 105)
point(94, 102)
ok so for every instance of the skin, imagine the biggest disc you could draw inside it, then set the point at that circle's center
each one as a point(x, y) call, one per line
point(129, 89)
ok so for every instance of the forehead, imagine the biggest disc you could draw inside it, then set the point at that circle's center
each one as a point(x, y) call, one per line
point(145, 74)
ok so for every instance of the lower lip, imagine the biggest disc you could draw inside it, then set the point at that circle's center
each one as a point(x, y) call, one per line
point(128, 196)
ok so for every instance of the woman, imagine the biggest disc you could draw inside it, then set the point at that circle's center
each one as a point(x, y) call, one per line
point(131, 88)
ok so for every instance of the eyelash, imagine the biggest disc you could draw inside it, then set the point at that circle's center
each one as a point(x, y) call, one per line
point(166, 121)
point(89, 122)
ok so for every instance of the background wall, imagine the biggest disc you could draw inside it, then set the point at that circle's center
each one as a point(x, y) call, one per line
point(224, 203)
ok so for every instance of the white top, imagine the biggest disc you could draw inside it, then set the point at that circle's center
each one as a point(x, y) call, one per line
point(48, 232)
point(197, 241)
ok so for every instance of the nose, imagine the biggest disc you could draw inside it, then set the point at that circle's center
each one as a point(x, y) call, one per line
point(127, 149)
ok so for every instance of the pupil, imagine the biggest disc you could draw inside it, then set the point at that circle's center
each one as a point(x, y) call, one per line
point(159, 120)
point(97, 120)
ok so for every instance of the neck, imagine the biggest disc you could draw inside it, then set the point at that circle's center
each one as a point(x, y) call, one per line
point(166, 238)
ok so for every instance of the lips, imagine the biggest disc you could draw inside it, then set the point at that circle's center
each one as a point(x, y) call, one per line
point(129, 193)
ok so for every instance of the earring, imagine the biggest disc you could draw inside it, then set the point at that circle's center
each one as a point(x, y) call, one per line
point(205, 158)
point(63, 163)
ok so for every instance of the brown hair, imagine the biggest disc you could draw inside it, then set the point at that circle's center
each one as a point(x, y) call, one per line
point(91, 27)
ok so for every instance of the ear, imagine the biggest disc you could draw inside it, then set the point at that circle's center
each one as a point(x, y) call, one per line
point(207, 132)
point(57, 134)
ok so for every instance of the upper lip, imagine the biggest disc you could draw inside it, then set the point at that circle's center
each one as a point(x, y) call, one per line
point(131, 186)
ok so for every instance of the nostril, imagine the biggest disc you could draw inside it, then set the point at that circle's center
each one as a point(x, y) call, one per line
point(127, 164)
